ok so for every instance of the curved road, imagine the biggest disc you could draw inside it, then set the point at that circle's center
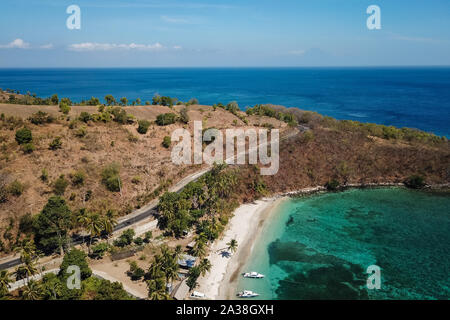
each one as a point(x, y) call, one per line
point(148, 210)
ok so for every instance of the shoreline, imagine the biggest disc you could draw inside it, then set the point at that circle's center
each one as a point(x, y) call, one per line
point(245, 226)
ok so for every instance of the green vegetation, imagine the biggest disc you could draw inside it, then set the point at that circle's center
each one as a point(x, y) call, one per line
point(143, 126)
point(125, 239)
point(85, 117)
point(54, 287)
point(111, 178)
point(415, 182)
point(123, 101)
point(110, 100)
point(99, 250)
point(28, 148)
point(164, 101)
point(332, 185)
point(135, 272)
point(163, 271)
point(78, 178)
point(51, 226)
point(203, 200)
point(75, 257)
point(166, 142)
point(166, 119)
point(264, 110)
point(40, 117)
point(24, 136)
point(16, 188)
point(60, 185)
point(382, 131)
point(64, 107)
point(184, 117)
point(55, 144)
point(44, 175)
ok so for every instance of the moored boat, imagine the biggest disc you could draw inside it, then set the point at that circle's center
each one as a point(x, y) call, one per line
point(253, 275)
point(247, 294)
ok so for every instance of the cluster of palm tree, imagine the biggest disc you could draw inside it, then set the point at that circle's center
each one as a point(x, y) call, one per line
point(5, 282)
point(163, 270)
point(96, 224)
point(28, 256)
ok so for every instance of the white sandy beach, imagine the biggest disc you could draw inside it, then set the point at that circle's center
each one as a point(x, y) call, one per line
point(245, 225)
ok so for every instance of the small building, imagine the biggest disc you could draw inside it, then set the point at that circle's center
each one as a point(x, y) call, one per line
point(181, 291)
point(187, 261)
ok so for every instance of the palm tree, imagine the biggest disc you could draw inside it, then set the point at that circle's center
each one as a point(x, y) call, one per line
point(157, 289)
point(232, 245)
point(32, 291)
point(199, 249)
point(27, 269)
point(204, 266)
point(94, 226)
point(109, 221)
point(5, 280)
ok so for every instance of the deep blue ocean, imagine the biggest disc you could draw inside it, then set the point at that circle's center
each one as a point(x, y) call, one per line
point(411, 97)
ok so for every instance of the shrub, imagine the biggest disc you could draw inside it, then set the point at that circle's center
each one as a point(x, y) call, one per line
point(26, 224)
point(77, 178)
point(120, 115)
point(99, 250)
point(16, 188)
point(193, 101)
point(132, 138)
point(165, 119)
point(184, 117)
point(143, 126)
point(138, 241)
point(60, 185)
point(54, 99)
point(28, 147)
point(332, 185)
point(44, 175)
point(24, 136)
point(415, 182)
point(136, 180)
point(148, 236)
point(111, 178)
point(78, 258)
point(64, 108)
point(123, 101)
point(110, 100)
point(55, 144)
point(125, 239)
point(232, 107)
point(85, 117)
point(166, 142)
point(81, 132)
point(40, 117)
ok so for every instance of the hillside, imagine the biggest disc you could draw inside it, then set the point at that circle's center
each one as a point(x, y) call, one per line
point(143, 164)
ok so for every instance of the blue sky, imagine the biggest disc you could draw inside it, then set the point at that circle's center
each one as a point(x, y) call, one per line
point(174, 33)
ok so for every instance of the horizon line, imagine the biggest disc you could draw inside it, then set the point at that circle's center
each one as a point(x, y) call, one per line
point(236, 67)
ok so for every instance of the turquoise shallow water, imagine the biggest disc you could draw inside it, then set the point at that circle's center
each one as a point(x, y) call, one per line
point(319, 247)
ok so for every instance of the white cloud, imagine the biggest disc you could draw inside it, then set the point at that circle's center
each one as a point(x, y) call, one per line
point(16, 44)
point(93, 46)
point(177, 47)
point(297, 52)
point(47, 46)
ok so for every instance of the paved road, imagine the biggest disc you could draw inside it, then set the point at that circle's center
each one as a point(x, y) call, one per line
point(148, 210)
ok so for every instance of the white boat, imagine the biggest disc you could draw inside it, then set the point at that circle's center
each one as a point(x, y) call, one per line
point(247, 294)
point(253, 275)
point(197, 295)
